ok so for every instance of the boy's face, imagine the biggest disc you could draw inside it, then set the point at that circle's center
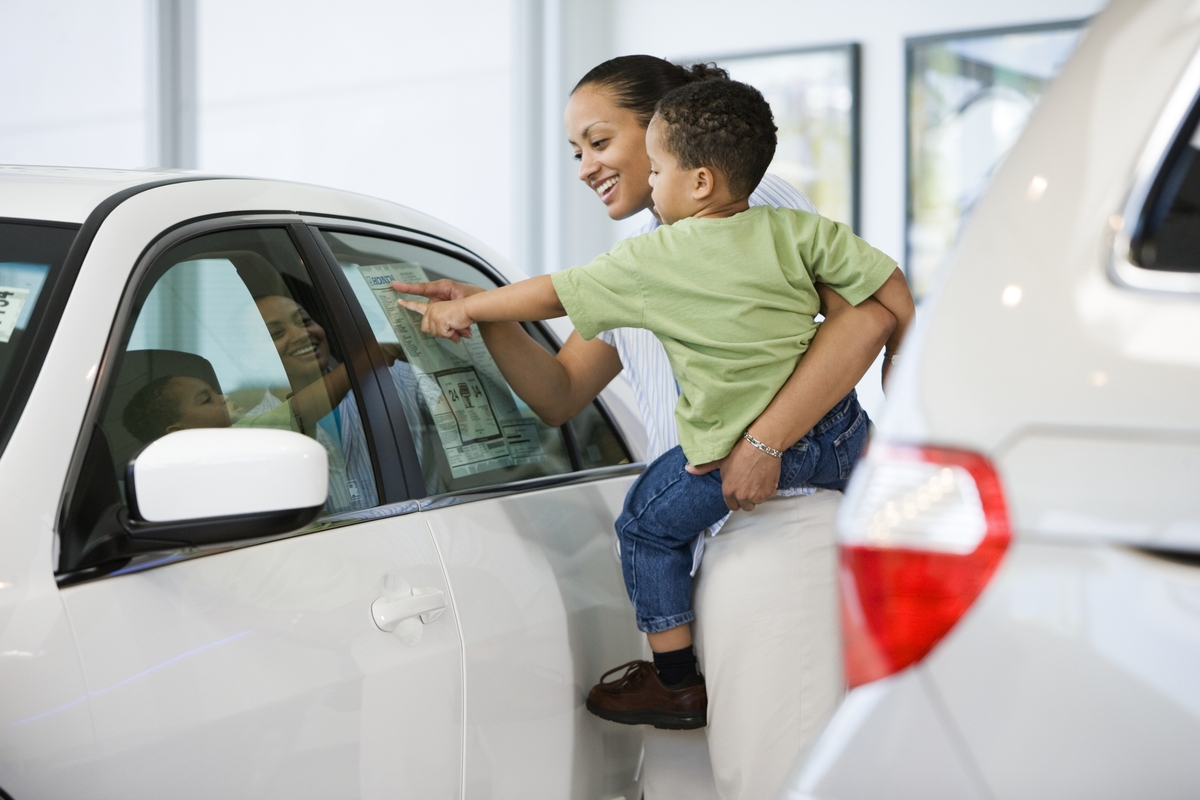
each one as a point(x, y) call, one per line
point(673, 188)
point(200, 406)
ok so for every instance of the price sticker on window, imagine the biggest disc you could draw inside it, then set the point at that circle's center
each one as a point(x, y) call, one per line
point(12, 300)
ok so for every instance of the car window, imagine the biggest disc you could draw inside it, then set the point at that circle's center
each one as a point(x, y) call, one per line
point(31, 254)
point(470, 428)
point(1169, 239)
point(228, 330)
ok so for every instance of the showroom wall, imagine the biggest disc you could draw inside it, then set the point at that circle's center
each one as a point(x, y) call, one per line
point(689, 29)
point(410, 101)
point(455, 109)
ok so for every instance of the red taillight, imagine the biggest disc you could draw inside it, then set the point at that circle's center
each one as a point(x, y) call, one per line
point(921, 532)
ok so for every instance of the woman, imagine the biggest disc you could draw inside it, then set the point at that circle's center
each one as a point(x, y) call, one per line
point(762, 694)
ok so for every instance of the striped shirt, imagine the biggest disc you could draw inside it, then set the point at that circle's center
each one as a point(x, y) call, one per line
point(644, 361)
point(351, 476)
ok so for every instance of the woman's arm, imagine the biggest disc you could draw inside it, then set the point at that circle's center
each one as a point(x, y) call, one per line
point(844, 347)
point(555, 387)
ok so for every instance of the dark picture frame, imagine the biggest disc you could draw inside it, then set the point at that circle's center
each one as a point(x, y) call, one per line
point(968, 96)
point(815, 95)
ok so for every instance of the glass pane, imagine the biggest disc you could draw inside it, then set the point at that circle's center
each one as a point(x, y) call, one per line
point(470, 428)
point(229, 331)
point(29, 253)
point(812, 97)
point(1170, 240)
point(969, 98)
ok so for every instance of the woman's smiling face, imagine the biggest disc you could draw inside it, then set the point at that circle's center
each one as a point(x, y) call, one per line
point(299, 340)
point(610, 145)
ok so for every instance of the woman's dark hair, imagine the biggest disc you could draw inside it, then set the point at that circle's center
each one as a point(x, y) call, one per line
point(639, 82)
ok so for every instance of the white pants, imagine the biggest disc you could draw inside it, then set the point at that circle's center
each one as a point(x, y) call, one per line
point(767, 636)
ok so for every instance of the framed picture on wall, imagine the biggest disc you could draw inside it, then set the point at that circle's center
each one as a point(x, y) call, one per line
point(813, 94)
point(970, 96)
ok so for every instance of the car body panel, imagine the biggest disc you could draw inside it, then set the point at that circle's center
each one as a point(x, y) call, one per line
point(878, 744)
point(259, 668)
point(972, 351)
point(543, 614)
point(1073, 673)
point(1098, 649)
point(272, 648)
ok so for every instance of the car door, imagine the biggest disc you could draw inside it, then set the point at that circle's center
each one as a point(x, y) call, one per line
point(522, 515)
point(256, 668)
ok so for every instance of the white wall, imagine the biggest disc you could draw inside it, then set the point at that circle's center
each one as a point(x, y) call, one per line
point(408, 100)
point(682, 29)
point(73, 85)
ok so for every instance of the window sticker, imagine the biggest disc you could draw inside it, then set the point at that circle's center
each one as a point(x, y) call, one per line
point(475, 413)
point(20, 285)
point(12, 300)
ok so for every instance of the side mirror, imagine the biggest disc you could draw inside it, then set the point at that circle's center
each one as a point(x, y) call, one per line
point(211, 485)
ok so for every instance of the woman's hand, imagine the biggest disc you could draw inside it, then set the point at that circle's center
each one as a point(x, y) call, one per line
point(748, 476)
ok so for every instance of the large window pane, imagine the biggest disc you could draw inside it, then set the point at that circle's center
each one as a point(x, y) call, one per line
point(471, 429)
point(229, 331)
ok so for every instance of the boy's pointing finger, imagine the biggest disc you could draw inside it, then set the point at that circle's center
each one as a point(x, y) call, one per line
point(412, 305)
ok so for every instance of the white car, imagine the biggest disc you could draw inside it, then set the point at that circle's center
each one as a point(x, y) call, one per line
point(261, 539)
point(1021, 547)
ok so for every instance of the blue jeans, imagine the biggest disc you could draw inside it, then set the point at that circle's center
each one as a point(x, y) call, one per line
point(667, 507)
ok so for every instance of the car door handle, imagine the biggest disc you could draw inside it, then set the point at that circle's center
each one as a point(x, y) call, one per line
point(406, 615)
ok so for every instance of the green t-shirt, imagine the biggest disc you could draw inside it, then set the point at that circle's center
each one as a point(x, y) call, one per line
point(731, 299)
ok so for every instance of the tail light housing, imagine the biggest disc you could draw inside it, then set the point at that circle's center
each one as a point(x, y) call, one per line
point(921, 532)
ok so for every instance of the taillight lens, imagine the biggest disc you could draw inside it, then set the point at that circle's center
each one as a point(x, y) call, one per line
point(921, 531)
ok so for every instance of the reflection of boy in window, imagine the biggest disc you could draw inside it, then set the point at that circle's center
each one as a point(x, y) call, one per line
point(175, 403)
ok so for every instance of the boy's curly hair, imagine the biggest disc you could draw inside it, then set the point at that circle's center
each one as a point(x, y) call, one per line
point(721, 124)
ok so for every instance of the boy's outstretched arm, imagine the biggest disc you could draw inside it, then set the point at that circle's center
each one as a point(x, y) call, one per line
point(895, 296)
point(524, 301)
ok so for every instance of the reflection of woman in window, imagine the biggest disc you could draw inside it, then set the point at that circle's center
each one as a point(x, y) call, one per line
point(759, 719)
point(322, 404)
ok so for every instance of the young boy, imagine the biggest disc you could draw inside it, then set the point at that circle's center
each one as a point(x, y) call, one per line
point(728, 289)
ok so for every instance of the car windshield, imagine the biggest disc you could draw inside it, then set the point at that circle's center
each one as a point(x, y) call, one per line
point(31, 256)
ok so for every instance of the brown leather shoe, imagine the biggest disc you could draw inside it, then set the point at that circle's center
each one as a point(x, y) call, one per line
point(638, 697)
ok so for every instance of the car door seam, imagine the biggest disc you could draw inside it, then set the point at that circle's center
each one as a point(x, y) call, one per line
point(462, 662)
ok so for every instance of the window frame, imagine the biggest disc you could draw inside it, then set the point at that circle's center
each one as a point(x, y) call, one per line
point(394, 455)
point(452, 249)
point(385, 455)
point(1171, 132)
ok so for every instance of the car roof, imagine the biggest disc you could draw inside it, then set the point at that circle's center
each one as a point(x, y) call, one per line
point(66, 194)
point(70, 194)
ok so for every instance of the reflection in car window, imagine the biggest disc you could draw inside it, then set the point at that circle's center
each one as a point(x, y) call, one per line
point(29, 253)
point(228, 331)
point(472, 429)
point(1170, 235)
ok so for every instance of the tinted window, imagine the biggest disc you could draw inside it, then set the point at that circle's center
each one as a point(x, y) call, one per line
point(1169, 239)
point(470, 428)
point(227, 330)
point(30, 258)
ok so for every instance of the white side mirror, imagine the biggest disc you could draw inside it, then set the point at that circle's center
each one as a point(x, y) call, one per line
point(206, 473)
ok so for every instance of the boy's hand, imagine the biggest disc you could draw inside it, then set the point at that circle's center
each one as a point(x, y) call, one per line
point(444, 289)
point(447, 319)
point(748, 476)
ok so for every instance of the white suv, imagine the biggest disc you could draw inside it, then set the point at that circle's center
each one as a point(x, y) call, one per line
point(1021, 548)
point(262, 539)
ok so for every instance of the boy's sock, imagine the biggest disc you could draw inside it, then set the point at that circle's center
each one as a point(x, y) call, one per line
point(675, 666)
